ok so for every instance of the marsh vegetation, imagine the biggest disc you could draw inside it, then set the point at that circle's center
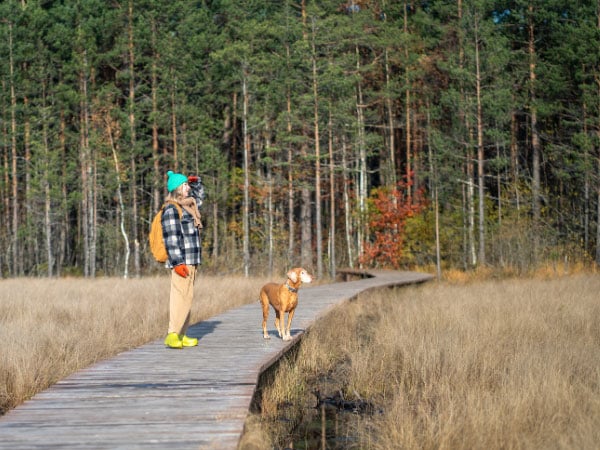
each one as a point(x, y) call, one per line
point(50, 328)
point(490, 364)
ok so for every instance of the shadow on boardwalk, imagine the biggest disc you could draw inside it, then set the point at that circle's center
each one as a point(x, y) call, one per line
point(156, 398)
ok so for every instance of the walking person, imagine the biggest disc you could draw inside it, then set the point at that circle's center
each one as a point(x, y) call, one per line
point(181, 232)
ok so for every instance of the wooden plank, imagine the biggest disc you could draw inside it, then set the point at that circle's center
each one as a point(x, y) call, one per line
point(157, 398)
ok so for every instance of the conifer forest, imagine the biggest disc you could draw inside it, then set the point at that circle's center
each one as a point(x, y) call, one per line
point(377, 133)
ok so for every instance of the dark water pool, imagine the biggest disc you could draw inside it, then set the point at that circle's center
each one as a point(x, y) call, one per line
point(334, 423)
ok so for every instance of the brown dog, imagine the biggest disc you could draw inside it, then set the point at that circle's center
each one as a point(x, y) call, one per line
point(284, 299)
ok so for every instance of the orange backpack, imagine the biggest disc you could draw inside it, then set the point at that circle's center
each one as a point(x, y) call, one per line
point(157, 243)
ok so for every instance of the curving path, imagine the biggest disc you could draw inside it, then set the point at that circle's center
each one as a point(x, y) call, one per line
point(156, 398)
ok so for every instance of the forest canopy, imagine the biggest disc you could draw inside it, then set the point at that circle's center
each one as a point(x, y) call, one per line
point(328, 134)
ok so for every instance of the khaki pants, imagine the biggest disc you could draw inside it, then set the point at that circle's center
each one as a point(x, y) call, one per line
point(180, 302)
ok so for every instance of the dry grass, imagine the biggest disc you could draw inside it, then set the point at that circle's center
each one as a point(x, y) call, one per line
point(50, 328)
point(487, 364)
point(484, 364)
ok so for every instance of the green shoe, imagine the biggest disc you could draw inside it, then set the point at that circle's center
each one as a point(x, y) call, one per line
point(172, 341)
point(188, 341)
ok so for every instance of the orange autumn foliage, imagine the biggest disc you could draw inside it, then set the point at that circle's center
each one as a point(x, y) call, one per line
point(390, 208)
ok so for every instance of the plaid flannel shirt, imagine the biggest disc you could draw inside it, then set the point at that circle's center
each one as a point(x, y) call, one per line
point(182, 238)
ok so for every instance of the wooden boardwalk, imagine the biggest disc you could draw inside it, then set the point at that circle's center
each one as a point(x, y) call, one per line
point(156, 398)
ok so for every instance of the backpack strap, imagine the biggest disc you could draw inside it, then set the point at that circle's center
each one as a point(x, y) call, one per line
point(176, 205)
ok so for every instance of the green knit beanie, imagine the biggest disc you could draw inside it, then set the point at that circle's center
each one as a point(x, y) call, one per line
point(175, 180)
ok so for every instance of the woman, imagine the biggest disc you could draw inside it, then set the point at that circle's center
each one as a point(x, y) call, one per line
point(182, 241)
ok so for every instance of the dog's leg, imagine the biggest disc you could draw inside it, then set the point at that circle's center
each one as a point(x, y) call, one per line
point(265, 310)
point(279, 316)
point(264, 327)
point(287, 336)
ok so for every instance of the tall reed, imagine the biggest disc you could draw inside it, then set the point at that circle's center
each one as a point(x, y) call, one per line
point(487, 365)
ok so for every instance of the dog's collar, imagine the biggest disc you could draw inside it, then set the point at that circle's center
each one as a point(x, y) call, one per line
point(291, 289)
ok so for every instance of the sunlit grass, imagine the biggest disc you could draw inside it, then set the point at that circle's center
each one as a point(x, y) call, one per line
point(50, 328)
point(467, 363)
point(511, 363)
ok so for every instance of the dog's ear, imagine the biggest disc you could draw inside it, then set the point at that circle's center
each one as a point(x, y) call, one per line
point(293, 275)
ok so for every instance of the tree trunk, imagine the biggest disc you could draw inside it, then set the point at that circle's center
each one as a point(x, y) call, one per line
point(45, 185)
point(132, 143)
point(586, 183)
point(306, 255)
point(438, 258)
point(86, 170)
point(46, 188)
point(234, 126)
point(514, 161)
point(270, 222)
point(347, 207)
point(471, 197)
point(391, 163)
point(15, 263)
point(94, 209)
point(332, 203)
point(306, 225)
point(109, 132)
point(317, 137)
point(65, 229)
point(535, 138)
point(31, 249)
point(215, 229)
point(5, 257)
point(157, 188)
point(407, 113)
point(246, 212)
point(468, 190)
point(597, 78)
point(174, 121)
point(433, 189)
point(290, 180)
point(362, 230)
point(480, 152)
